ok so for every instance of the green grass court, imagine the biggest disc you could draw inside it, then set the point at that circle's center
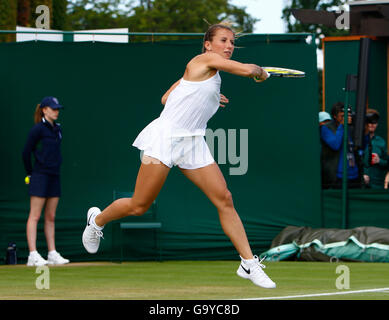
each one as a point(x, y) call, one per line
point(192, 280)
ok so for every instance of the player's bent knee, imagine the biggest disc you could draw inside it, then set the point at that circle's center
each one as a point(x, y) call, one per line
point(139, 210)
point(132, 207)
point(226, 199)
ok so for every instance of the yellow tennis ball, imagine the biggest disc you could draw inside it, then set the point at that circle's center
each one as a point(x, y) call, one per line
point(27, 180)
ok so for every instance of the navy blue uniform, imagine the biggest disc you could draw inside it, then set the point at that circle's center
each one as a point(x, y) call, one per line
point(44, 142)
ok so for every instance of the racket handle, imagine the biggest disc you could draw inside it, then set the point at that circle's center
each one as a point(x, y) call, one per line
point(258, 78)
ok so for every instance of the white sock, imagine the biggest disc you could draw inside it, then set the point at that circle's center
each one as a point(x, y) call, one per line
point(95, 225)
point(248, 262)
point(52, 252)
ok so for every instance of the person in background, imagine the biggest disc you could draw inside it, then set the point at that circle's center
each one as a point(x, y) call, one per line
point(324, 118)
point(43, 178)
point(376, 155)
point(331, 135)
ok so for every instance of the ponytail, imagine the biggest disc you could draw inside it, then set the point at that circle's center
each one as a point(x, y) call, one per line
point(38, 114)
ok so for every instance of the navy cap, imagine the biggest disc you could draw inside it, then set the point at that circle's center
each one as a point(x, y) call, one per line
point(51, 102)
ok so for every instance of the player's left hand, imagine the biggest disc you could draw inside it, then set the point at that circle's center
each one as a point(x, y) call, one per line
point(223, 100)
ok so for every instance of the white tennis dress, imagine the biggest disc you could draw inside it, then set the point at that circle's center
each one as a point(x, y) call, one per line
point(176, 137)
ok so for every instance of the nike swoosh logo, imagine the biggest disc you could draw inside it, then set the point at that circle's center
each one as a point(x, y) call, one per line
point(89, 220)
point(247, 271)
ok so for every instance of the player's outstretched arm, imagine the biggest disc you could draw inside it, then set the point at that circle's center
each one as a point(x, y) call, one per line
point(215, 61)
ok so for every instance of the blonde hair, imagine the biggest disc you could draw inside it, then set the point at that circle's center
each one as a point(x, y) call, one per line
point(38, 114)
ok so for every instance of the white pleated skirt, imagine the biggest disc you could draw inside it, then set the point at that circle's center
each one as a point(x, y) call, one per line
point(173, 147)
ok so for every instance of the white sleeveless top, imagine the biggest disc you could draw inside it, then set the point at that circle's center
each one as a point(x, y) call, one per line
point(186, 113)
point(191, 104)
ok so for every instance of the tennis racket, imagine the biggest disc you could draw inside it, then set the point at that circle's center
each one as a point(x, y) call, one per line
point(283, 72)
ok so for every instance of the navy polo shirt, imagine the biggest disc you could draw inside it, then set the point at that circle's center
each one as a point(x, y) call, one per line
point(44, 142)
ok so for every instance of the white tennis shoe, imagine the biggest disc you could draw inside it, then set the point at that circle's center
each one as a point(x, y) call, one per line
point(253, 271)
point(91, 236)
point(36, 260)
point(55, 258)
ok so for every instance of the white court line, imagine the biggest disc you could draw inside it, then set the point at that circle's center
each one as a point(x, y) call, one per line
point(320, 294)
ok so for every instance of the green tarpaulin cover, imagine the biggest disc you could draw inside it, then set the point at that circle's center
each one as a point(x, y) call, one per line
point(370, 244)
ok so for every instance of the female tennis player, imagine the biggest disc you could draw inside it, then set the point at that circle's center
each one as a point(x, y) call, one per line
point(176, 137)
point(44, 142)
